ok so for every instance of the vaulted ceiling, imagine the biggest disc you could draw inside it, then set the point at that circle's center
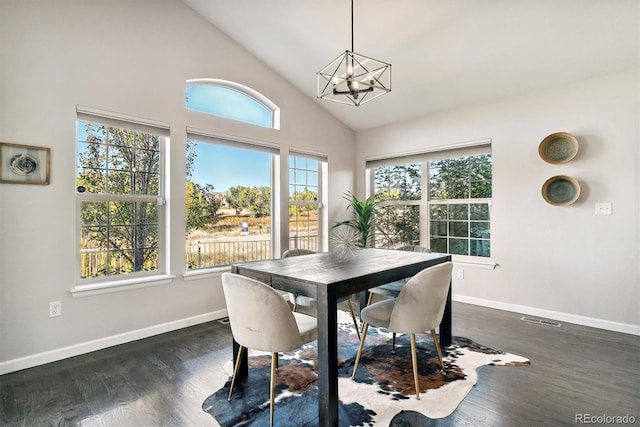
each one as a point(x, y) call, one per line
point(444, 54)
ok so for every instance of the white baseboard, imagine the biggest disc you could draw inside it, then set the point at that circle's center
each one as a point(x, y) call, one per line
point(99, 344)
point(554, 315)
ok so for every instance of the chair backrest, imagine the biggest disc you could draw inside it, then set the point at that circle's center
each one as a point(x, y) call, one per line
point(414, 248)
point(296, 252)
point(420, 305)
point(260, 318)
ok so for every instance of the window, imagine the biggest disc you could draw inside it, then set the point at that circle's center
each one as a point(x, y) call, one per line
point(459, 205)
point(120, 196)
point(453, 214)
point(232, 101)
point(228, 202)
point(305, 178)
point(229, 183)
point(397, 195)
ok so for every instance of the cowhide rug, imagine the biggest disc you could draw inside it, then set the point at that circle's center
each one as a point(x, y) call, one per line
point(382, 394)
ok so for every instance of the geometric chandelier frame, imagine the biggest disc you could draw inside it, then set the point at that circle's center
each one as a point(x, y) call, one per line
point(354, 79)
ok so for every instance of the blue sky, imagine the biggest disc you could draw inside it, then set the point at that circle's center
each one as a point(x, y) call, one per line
point(229, 103)
point(225, 167)
point(221, 166)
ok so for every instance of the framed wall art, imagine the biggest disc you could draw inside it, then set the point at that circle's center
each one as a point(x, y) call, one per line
point(24, 164)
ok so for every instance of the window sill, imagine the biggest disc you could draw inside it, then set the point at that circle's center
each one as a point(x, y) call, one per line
point(121, 285)
point(474, 263)
point(205, 273)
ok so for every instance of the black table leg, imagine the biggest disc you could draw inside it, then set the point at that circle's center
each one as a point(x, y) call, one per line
point(363, 298)
point(327, 359)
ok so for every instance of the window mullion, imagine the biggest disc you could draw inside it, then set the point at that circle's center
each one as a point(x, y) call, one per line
point(425, 179)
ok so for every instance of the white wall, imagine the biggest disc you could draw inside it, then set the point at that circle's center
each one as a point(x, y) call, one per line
point(130, 57)
point(560, 262)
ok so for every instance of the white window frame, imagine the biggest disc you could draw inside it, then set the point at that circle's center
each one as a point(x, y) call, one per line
point(245, 90)
point(423, 157)
point(319, 203)
point(204, 136)
point(112, 283)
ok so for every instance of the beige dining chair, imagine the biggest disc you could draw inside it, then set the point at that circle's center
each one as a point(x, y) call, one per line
point(418, 308)
point(305, 301)
point(261, 319)
point(393, 289)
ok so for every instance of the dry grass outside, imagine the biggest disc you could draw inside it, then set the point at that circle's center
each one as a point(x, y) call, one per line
point(228, 224)
point(225, 243)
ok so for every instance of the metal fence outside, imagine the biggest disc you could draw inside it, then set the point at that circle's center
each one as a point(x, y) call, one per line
point(204, 254)
point(201, 254)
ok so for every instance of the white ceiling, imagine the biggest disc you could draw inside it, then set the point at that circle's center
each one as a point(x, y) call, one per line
point(444, 54)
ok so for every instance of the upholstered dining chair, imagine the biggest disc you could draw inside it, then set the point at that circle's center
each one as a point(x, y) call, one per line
point(261, 319)
point(302, 300)
point(393, 289)
point(419, 308)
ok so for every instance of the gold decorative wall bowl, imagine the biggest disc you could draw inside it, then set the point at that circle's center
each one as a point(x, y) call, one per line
point(559, 147)
point(561, 190)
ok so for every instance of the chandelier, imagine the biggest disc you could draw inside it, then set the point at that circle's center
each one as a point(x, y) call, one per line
point(354, 79)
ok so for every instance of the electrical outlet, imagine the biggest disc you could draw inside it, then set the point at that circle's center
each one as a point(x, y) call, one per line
point(55, 308)
point(460, 273)
point(603, 208)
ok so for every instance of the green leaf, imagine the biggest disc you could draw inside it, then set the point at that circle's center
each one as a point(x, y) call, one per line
point(364, 217)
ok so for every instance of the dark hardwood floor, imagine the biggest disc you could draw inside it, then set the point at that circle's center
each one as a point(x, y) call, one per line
point(163, 380)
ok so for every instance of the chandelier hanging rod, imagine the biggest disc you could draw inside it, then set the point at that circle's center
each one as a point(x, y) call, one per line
point(352, 49)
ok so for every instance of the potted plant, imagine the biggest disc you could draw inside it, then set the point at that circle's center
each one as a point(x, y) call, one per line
point(364, 218)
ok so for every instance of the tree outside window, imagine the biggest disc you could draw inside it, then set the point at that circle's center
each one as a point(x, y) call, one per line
point(304, 195)
point(456, 215)
point(228, 204)
point(459, 205)
point(397, 197)
point(119, 188)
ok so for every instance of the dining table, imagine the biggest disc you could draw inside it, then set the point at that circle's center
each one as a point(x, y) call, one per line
point(327, 277)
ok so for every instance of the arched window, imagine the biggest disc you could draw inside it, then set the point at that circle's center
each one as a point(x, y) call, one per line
point(232, 101)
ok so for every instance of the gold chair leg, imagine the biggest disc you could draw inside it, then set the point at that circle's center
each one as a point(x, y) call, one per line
point(235, 371)
point(353, 316)
point(365, 326)
point(437, 346)
point(272, 397)
point(294, 308)
point(414, 360)
point(368, 304)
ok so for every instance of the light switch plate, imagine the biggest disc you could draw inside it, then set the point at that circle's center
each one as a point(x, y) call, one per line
point(603, 208)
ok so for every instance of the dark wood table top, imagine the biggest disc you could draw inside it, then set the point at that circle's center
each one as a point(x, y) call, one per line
point(365, 269)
